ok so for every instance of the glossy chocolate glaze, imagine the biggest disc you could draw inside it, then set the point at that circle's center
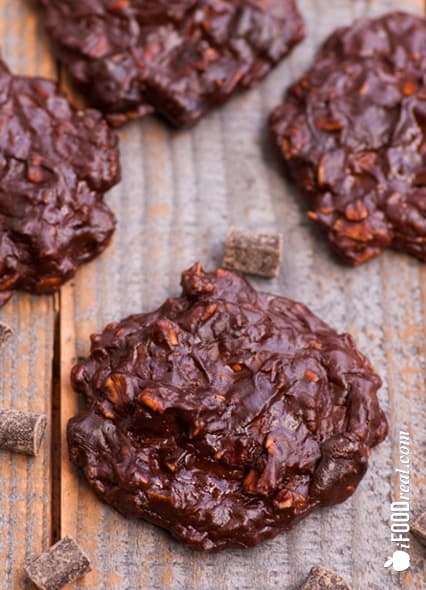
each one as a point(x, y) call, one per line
point(226, 415)
point(352, 132)
point(177, 58)
point(55, 164)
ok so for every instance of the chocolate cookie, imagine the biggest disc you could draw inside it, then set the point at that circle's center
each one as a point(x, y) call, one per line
point(178, 59)
point(55, 165)
point(352, 133)
point(226, 415)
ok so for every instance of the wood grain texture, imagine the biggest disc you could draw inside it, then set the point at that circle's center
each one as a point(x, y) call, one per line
point(180, 192)
point(26, 361)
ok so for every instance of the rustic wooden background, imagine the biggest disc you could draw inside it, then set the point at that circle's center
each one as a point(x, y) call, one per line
point(180, 191)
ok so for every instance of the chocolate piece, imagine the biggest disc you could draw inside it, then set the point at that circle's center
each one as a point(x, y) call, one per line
point(5, 334)
point(62, 564)
point(352, 134)
point(21, 432)
point(226, 415)
point(322, 579)
point(55, 165)
point(178, 59)
point(419, 528)
point(253, 253)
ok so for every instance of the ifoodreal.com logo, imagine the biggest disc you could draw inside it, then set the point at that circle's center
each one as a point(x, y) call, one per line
point(400, 510)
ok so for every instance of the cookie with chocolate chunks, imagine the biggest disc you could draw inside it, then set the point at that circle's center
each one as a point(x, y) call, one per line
point(226, 415)
point(352, 132)
point(55, 165)
point(179, 59)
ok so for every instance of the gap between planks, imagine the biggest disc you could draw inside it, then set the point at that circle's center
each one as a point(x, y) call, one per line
point(66, 504)
point(55, 450)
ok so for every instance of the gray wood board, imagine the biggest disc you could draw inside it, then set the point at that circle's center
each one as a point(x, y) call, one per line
point(26, 360)
point(180, 192)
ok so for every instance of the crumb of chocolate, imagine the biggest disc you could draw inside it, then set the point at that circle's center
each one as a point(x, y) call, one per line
point(419, 528)
point(63, 563)
point(323, 579)
point(22, 432)
point(252, 252)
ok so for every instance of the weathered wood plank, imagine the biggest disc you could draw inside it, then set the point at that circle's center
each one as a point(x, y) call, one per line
point(404, 342)
point(26, 363)
point(25, 383)
point(179, 193)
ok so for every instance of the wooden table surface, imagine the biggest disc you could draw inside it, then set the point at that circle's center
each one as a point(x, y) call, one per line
point(179, 193)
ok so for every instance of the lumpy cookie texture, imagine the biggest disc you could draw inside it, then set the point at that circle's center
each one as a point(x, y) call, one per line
point(55, 164)
point(226, 415)
point(177, 58)
point(352, 133)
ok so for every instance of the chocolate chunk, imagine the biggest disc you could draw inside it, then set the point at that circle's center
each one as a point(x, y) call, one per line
point(352, 132)
point(5, 334)
point(226, 415)
point(344, 461)
point(55, 165)
point(253, 253)
point(177, 59)
point(62, 564)
point(419, 528)
point(322, 579)
point(21, 432)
